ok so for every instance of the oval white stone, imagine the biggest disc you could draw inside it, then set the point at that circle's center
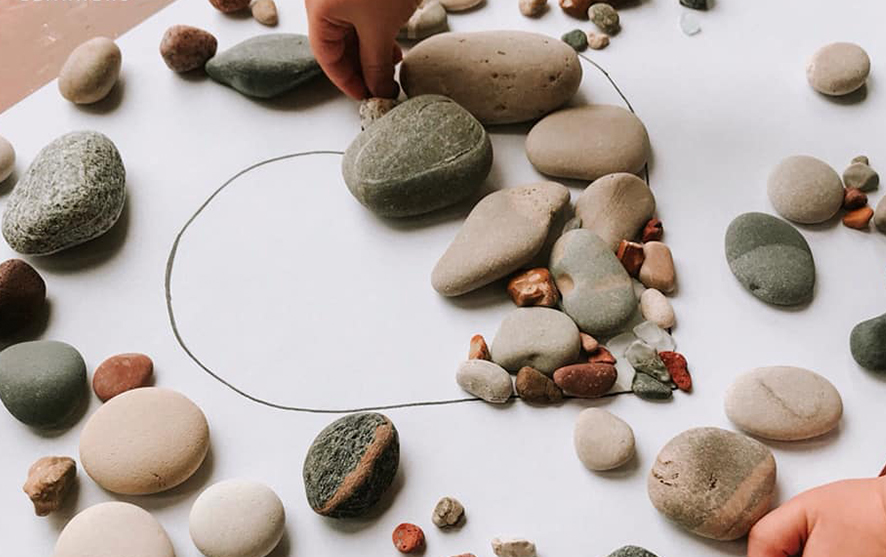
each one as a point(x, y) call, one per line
point(805, 189)
point(656, 308)
point(113, 529)
point(602, 440)
point(486, 380)
point(838, 69)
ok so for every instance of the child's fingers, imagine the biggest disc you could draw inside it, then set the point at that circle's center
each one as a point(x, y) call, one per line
point(330, 43)
point(377, 60)
point(781, 533)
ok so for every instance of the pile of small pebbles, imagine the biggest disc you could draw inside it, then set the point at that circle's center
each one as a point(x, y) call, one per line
point(136, 533)
point(408, 538)
point(448, 513)
point(577, 39)
point(22, 296)
point(602, 440)
point(428, 19)
point(121, 373)
point(185, 48)
point(838, 69)
point(867, 342)
point(533, 8)
point(7, 159)
point(859, 178)
point(49, 481)
point(605, 17)
point(513, 547)
point(265, 12)
point(91, 71)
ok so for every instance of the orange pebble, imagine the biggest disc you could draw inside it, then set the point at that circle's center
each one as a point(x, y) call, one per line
point(408, 538)
point(678, 368)
point(858, 218)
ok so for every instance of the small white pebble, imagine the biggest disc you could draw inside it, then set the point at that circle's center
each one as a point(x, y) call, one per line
point(689, 24)
point(373, 109)
point(656, 308)
point(598, 41)
point(516, 547)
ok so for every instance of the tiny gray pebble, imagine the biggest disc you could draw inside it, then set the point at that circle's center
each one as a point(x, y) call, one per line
point(649, 388)
point(577, 39)
point(862, 159)
point(868, 343)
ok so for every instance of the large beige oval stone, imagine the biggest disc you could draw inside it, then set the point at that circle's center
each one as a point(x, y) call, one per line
point(113, 529)
point(838, 69)
point(91, 71)
point(805, 189)
point(501, 77)
point(616, 207)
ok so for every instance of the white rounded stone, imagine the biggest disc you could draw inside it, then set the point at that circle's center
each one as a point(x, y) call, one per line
point(485, 380)
point(838, 69)
point(113, 529)
point(616, 207)
point(806, 190)
point(656, 308)
point(603, 441)
point(7, 158)
point(90, 71)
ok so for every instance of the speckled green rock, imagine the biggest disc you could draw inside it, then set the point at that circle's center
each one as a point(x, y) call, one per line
point(351, 464)
point(577, 39)
point(650, 388)
point(771, 259)
point(868, 343)
point(631, 551)
point(425, 154)
point(646, 360)
point(265, 66)
point(42, 382)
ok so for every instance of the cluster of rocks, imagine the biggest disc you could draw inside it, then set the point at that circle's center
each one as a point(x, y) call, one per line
point(264, 11)
point(607, 22)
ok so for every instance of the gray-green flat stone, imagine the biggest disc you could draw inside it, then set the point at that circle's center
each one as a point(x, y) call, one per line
point(42, 382)
point(649, 388)
point(74, 191)
point(771, 259)
point(631, 551)
point(351, 464)
point(646, 360)
point(425, 154)
point(577, 39)
point(265, 66)
point(538, 337)
point(596, 290)
point(868, 343)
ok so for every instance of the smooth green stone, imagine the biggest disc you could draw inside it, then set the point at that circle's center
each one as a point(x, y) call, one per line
point(645, 359)
point(577, 39)
point(425, 154)
point(631, 551)
point(771, 259)
point(695, 4)
point(649, 388)
point(42, 382)
point(339, 451)
point(868, 343)
point(265, 66)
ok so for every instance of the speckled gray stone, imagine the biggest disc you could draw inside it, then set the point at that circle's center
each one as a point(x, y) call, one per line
point(646, 360)
point(650, 388)
point(577, 39)
point(805, 189)
point(425, 154)
point(73, 191)
point(713, 482)
point(265, 66)
point(42, 382)
point(542, 338)
point(631, 551)
point(771, 259)
point(868, 343)
point(351, 464)
point(596, 291)
point(604, 17)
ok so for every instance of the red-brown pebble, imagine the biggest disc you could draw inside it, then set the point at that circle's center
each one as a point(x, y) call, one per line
point(678, 368)
point(185, 48)
point(534, 287)
point(121, 373)
point(22, 295)
point(601, 356)
point(858, 218)
point(478, 350)
point(536, 387)
point(586, 380)
point(854, 198)
point(631, 256)
point(229, 6)
point(408, 537)
point(653, 231)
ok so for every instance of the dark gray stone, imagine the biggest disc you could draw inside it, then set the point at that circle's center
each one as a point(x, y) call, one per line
point(631, 551)
point(868, 343)
point(43, 382)
point(74, 191)
point(577, 39)
point(351, 464)
point(649, 388)
point(425, 154)
point(771, 259)
point(265, 66)
point(695, 4)
point(22, 295)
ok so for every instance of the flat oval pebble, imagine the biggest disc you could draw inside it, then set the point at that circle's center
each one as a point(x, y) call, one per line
point(22, 295)
point(657, 309)
point(73, 191)
point(265, 66)
point(121, 373)
point(541, 338)
point(425, 154)
point(185, 48)
point(460, 5)
point(237, 518)
point(586, 380)
point(806, 190)
point(503, 232)
point(867, 342)
point(616, 207)
point(429, 18)
point(658, 269)
point(90, 71)
point(42, 382)
point(603, 441)
point(501, 77)
point(536, 387)
point(588, 142)
point(485, 380)
point(265, 12)
point(144, 441)
point(596, 290)
point(631, 551)
point(771, 259)
point(838, 69)
point(783, 403)
point(713, 482)
point(113, 529)
point(7, 159)
point(351, 464)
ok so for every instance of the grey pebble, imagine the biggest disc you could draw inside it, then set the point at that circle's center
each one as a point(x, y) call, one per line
point(867, 341)
point(577, 39)
point(604, 17)
point(695, 4)
point(860, 175)
point(646, 360)
point(631, 551)
point(542, 338)
point(448, 513)
point(650, 388)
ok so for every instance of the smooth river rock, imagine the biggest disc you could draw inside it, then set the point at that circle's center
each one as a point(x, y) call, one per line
point(265, 66)
point(596, 291)
point(144, 441)
point(460, 5)
point(42, 382)
point(538, 337)
point(713, 482)
point(603, 441)
point(616, 207)
point(861, 176)
point(868, 343)
point(90, 71)
point(113, 529)
point(425, 154)
point(503, 232)
point(351, 464)
point(7, 159)
point(806, 190)
point(22, 296)
point(838, 69)
point(588, 380)
point(771, 259)
point(588, 142)
point(783, 403)
point(121, 373)
point(185, 48)
point(501, 77)
point(486, 380)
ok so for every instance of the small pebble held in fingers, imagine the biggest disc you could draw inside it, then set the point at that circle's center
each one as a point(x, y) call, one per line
point(859, 218)
point(854, 198)
point(860, 175)
point(577, 39)
point(513, 547)
point(533, 8)
point(478, 350)
point(536, 387)
point(598, 41)
point(230, 6)
point(604, 17)
point(121, 373)
point(448, 512)
point(653, 231)
point(534, 287)
point(408, 538)
point(22, 295)
point(265, 12)
point(678, 369)
point(586, 380)
point(49, 480)
point(631, 256)
point(185, 48)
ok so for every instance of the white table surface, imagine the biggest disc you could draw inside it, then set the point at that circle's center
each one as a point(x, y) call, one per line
point(290, 290)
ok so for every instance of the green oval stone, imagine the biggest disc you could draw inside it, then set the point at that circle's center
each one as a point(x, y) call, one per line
point(868, 343)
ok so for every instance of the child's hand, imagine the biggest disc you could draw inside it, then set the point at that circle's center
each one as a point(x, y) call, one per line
point(843, 518)
point(353, 40)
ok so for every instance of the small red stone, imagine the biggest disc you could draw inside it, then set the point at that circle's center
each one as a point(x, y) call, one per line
point(408, 537)
point(679, 370)
point(653, 231)
point(601, 356)
point(586, 380)
point(121, 373)
point(631, 256)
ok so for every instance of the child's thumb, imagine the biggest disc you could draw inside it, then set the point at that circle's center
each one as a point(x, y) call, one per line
point(377, 61)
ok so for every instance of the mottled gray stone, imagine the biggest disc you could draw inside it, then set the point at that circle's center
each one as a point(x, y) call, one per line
point(596, 290)
point(577, 39)
point(351, 464)
point(425, 154)
point(646, 360)
point(631, 551)
point(713, 482)
point(649, 388)
point(771, 259)
point(868, 343)
point(74, 191)
point(604, 17)
point(265, 66)
point(860, 175)
point(43, 382)
point(542, 338)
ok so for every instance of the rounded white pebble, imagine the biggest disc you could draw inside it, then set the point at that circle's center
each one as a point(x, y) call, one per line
point(237, 518)
point(805, 189)
point(603, 441)
point(516, 547)
point(91, 71)
point(113, 529)
point(838, 69)
point(486, 380)
point(657, 308)
point(7, 158)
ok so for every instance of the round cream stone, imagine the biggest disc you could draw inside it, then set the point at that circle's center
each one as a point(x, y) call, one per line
point(90, 71)
point(7, 159)
point(113, 529)
point(603, 441)
point(656, 307)
point(806, 190)
point(838, 69)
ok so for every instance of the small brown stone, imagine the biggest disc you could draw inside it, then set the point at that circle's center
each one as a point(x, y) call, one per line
point(533, 8)
point(576, 8)
point(854, 198)
point(49, 480)
point(408, 538)
point(230, 6)
point(631, 256)
point(858, 218)
point(121, 373)
point(588, 343)
point(534, 287)
point(586, 380)
point(653, 231)
point(658, 268)
point(185, 48)
point(465, 555)
point(22, 295)
point(601, 356)
point(265, 12)
point(534, 386)
point(479, 350)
